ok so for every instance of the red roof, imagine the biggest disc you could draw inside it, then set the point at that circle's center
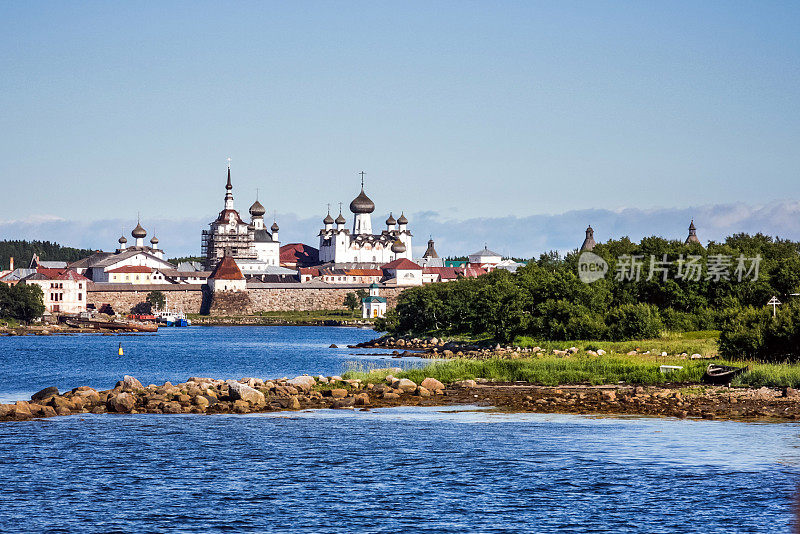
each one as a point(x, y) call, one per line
point(224, 216)
point(309, 271)
point(471, 271)
point(49, 272)
point(72, 275)
point(60, 274)
point(227, 270)
point(363, 272)
point(403, 264)
point(446, 273)
point(131, 269)
point(299, 254)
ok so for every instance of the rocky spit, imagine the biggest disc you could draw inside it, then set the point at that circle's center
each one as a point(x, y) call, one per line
point(435, 348)
point(254, 395)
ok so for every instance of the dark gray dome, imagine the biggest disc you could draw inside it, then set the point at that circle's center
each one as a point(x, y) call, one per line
point(328, 219)
point(398, 247)
point(340, 219)
point(274, 227)
point(257, 210)
point(122, 240)
point(402, 219)
point(391, 220)
point(139, 232)
point(154, 240)
point(362, 204)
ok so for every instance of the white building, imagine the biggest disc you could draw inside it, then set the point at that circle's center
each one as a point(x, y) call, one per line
point(227, 276)
point(486, 259)
point(340, 245)
point(374, 305)
point(64, 291)
point(99, 265)
point(228, 234)
point(403, 272)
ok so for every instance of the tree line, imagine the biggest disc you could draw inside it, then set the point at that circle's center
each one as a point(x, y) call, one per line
point(547, 299)
point(22, 252)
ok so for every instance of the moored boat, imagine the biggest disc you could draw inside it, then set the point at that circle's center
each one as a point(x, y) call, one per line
point(722, 374)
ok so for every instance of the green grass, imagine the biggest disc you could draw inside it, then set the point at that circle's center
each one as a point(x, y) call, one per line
point(772, 375)
point(582, 369)
point(700, 342)
point(7, 322)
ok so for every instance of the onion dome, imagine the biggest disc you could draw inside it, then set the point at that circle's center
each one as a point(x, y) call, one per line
point(402, 219)
point(340, 219)
point(122, 240)
point(328, 219)
point(154, 240)
point(398, 247)
point(274, 226)
point(257, 210)
point(139, 232)
point(390, 221)
point(362, 203)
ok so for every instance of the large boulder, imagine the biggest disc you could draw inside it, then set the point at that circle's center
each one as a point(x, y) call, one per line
point(171, 407)
point(129, 382)
point(338, 393)
point(431, 384)
point(122, 403)
point(304, 382)
point(45, 393)
point(238, 391)
point(61, 405)
point(22, 410)
point(405, 385)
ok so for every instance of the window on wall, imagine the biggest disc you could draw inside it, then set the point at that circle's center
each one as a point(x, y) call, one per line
point(80, 296)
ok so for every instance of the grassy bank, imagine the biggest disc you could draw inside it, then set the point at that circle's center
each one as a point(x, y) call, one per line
point(579, 369)
point(702, 342)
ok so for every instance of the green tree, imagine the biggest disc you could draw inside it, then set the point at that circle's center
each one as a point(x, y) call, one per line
point(157, 300)
point(21, 301)
point(351, 301)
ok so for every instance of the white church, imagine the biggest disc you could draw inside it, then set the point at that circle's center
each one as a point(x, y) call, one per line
point(359, 244)
point(255, 248)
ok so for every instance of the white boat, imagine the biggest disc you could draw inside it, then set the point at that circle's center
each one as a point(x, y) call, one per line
point(172, 318)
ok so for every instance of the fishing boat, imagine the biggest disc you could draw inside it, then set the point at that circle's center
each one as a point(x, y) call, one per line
point(172, 318)
point(722, 374)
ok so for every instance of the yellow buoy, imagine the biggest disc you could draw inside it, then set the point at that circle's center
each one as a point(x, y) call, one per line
point(120, 349)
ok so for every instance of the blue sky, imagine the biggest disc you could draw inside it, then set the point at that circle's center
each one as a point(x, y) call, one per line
point(465, 112)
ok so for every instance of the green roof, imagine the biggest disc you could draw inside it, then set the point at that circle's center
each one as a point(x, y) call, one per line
point(373, 299)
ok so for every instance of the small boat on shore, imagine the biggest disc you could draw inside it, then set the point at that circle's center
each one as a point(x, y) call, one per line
point(126, 326)
point(722, 374)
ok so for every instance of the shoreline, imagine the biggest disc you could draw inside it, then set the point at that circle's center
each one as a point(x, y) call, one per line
point(253, 395)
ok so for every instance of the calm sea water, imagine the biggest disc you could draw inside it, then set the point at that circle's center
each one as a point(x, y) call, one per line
point(388, 470)
point(30, 363)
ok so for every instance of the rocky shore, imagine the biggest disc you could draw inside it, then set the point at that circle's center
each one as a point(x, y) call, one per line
point(254, 395)
point(435, 348)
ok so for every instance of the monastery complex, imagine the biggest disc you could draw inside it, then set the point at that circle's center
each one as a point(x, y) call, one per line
point(245, 267)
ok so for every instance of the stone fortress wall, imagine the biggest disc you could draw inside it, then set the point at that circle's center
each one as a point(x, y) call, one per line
point(263, 297)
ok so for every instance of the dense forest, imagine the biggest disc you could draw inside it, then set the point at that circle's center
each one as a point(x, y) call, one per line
point(650, 287)
point(23, 251)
